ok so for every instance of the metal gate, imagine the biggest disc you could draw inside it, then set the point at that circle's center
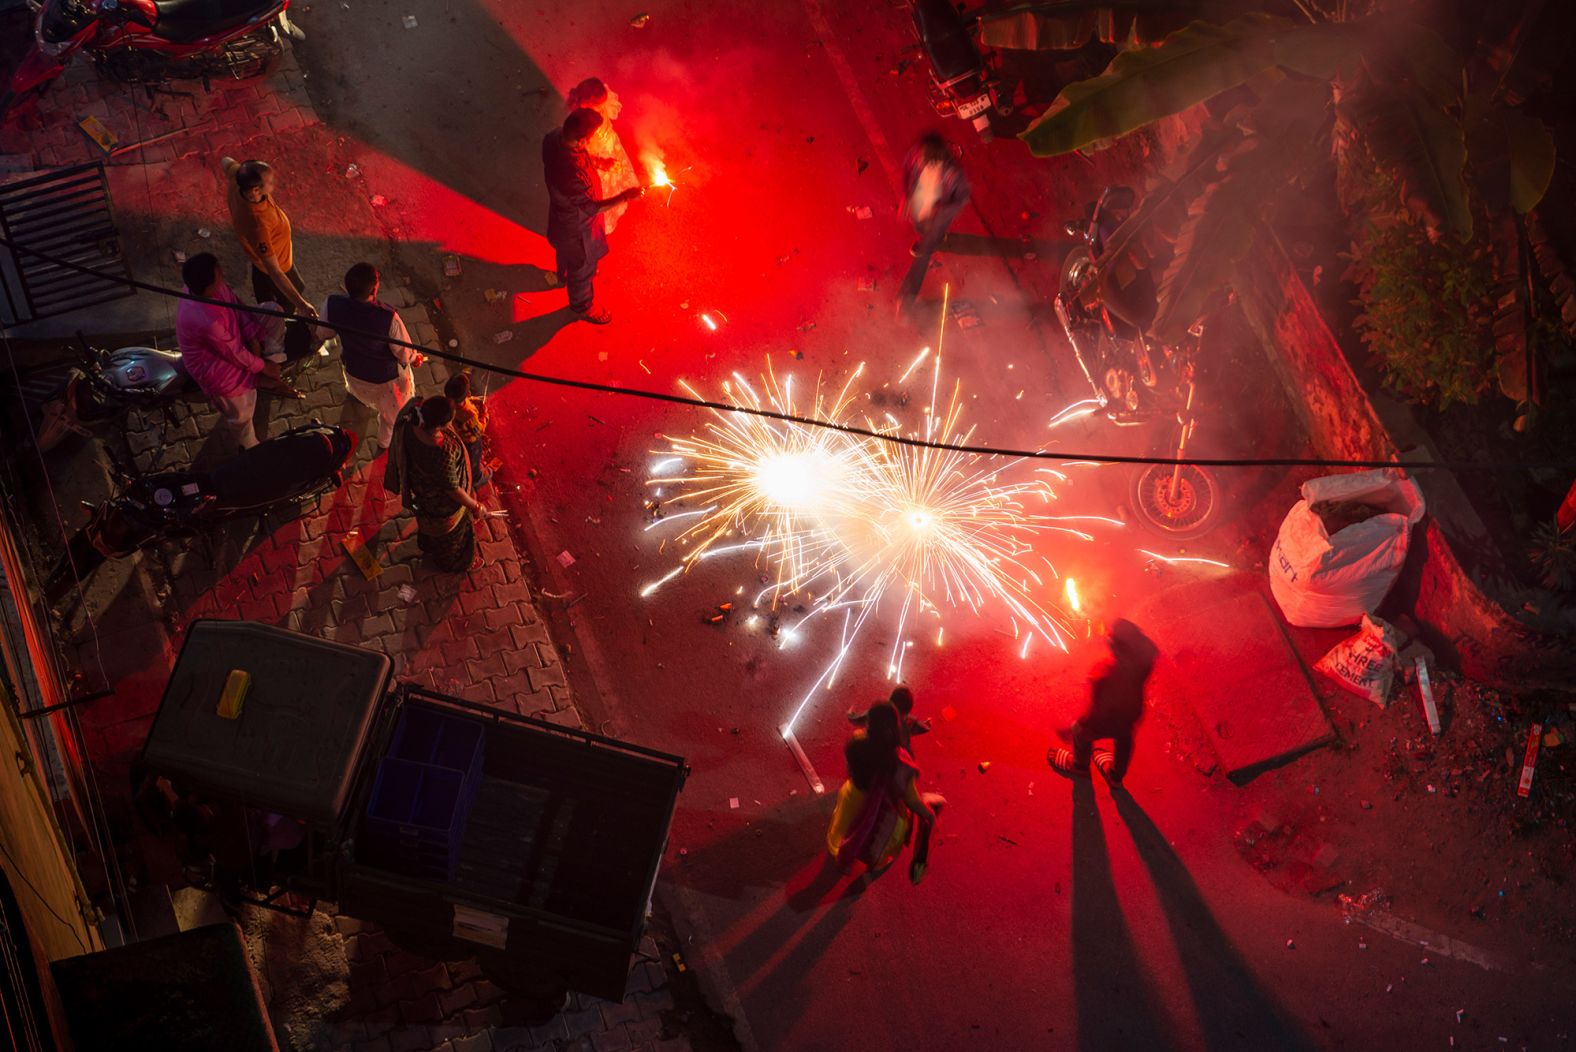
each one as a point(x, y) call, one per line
point(66, 217)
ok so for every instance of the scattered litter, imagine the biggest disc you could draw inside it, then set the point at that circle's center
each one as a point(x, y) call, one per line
point(451, 266)
point(180, 257)
point(101, 136)
point(1530, 761)
point(406, 593)
point(352, 171)
point(1389, 987)
point(601, 356)
point(204, 232)
point(409, 21)
point(495, 295)
point(861, 211)
point(640, 20)
point(733, 803)
point(504, 336)
point(1552, 737)
point(1291, 944)
point(1362, 945)
point(1430, 710)
point(378, 200)
point(1006, 840)
point(966, 315)
point(867, 284)
point(365, 561)
point(984, 766)
point(454, 343)
point(1368, 805)
point(565, 559)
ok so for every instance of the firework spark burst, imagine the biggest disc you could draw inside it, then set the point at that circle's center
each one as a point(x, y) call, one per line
point(857, 528)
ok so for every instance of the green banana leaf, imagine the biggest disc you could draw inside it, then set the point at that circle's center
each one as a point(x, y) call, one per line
point(1066, 25)
point(1510, 154)
point(1420, 145)
point(1140, 87)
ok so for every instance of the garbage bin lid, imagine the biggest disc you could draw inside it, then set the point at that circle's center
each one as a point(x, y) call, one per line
point(302, 725)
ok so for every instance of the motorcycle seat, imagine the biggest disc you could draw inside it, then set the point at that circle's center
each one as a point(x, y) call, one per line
point(183, 21)
point(277, 469)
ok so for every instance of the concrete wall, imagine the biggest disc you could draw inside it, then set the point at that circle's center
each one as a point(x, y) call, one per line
point(1347, 421)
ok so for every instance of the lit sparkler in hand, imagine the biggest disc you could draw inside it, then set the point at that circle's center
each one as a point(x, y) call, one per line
point(659, 178)
point(859, 527)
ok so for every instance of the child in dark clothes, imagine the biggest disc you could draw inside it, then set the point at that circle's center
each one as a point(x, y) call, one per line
point(903, 700)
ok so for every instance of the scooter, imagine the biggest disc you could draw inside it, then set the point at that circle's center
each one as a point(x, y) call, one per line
point(960, 82)
point(277, 474)
point(106, 384)
point(150, 41)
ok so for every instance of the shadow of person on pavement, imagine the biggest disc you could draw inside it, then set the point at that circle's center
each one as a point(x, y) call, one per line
point(1114, 1004)
point(1233, 1010)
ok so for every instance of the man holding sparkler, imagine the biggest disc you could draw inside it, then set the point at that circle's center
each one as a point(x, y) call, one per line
point(1116, 704)
point(573, 226)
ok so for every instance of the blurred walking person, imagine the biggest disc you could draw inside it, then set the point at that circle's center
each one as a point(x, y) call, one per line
point(223, 348)
point(935, 189)
point(574, 206)
point(428, 468)
point(377, 371)
point(880, 804)
point(615, 173)
point(263, 229)
point(1116, 705)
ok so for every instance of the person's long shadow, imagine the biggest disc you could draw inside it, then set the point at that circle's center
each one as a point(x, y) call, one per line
point(1233, 1010)
point(1116, 1009)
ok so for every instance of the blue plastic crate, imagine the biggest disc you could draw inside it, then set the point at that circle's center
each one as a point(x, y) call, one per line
point(415, 819)
point(428, 736)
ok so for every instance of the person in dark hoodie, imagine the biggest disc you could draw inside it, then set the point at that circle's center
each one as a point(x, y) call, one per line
point(1116, 704)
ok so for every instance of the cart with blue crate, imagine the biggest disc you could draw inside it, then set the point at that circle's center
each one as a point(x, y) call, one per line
point(462, 830)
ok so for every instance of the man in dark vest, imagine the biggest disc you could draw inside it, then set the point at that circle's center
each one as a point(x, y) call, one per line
point(573, 209)
point(377, 372)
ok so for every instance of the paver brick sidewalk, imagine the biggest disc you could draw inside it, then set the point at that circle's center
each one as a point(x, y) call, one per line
point(330, 982)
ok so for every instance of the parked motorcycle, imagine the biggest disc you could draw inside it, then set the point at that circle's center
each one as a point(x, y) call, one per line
point(106, 384)
point(960, 81)
point(277, 474)
point(1106, 306)
point(149, 41)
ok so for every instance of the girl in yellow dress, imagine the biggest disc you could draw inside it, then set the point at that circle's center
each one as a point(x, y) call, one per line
point(615, 173)
point(879, 804)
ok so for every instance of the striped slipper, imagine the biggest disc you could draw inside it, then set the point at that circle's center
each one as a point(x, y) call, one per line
point(1061, 761)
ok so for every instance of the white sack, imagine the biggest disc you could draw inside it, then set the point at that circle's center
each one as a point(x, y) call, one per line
point(1325, 581)
point(1365, 664)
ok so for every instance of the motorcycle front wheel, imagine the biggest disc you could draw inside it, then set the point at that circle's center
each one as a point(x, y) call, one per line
point(1176, 504)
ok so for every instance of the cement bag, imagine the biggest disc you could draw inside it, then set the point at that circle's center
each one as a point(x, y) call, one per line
point(1366, 663)
point(1341, 547)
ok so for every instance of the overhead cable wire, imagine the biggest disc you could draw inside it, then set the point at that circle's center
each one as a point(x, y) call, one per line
point(791, 418)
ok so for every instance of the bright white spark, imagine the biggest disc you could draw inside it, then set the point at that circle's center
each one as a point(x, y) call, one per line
point(1075, 411)
point(1183, 559)
point(839, 520)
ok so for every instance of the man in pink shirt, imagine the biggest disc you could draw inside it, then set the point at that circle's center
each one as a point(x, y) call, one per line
point(223, 348)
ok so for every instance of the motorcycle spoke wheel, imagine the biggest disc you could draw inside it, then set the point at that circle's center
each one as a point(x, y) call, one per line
point(1186, 510)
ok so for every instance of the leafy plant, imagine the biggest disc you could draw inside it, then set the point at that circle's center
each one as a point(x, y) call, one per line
point(1402, 100)
point(1553, 552)
point(1427, 310)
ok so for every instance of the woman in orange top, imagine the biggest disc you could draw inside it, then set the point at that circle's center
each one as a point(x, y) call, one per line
point(264, 233)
